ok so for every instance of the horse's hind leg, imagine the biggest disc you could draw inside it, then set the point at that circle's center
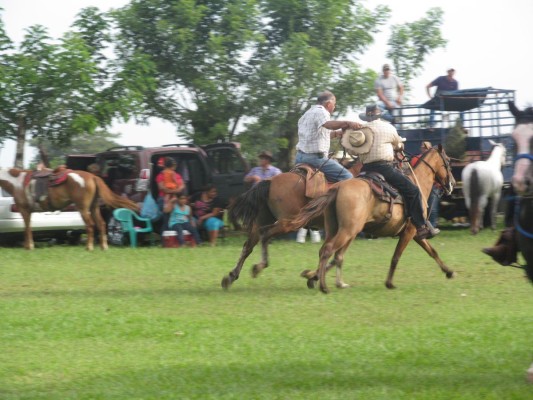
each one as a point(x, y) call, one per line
point(247, 248)
point(100, 223)
point(89, 226)
point(405, 238)
point(339, 260)
point(433, 254)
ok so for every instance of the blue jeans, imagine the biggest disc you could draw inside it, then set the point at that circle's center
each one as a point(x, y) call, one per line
point(433, 205)
point(409, 191)
point(330, 167)
point(188, 227)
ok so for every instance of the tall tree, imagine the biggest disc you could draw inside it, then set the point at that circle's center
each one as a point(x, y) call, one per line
point(48, 90)
point(54, 91)
point(310, 46)
point(99, 141)
point(199, 49)
point(411, 43)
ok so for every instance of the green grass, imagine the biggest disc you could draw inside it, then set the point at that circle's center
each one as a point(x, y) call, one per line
point(153, 323)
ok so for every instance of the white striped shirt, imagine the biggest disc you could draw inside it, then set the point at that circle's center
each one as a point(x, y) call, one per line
point(312, 136)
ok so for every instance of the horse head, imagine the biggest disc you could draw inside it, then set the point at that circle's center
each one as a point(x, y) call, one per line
point(498, 147)
point(443, 169)
point(523, 137)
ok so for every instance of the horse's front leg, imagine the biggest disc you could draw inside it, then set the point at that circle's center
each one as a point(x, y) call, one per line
point(28, 235)
point(433, 254)
point(266, 233)
point(247, 248)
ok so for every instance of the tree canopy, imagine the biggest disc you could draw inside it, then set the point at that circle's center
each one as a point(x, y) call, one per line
point(219, 70)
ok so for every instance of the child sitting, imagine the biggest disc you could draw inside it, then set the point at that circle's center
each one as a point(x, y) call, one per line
point(180, 219)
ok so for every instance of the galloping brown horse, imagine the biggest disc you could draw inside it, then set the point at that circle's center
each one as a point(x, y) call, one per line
point(79, 187)
point(351, 207)
point(256, 210)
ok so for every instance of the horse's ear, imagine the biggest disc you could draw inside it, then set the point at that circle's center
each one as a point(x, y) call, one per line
point(514, 110)
point(440, 148)
point(493, 143)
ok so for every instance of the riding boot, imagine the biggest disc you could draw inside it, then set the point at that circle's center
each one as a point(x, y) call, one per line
point(426, 232)
point(434, 231)
point(300, 236)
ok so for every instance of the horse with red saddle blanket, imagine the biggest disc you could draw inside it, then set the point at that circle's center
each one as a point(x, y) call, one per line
point(36, 191)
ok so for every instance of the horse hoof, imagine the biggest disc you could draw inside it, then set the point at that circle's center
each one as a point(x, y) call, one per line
point(308, 274)
point(342, 285)
point(226, 282)
point(324, 290)
point(389, 285)
point(311, 283)
point(450, 275)
point(256, 270)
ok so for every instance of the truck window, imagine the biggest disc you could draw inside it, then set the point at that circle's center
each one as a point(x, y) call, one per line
point(225, 161)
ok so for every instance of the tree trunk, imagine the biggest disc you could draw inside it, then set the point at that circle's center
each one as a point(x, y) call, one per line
point(43, 154)
point(21, 142)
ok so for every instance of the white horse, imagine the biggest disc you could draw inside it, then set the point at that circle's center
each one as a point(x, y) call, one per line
point(483, 180)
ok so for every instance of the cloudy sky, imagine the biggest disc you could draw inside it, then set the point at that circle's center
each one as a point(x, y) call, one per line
point(488, 45)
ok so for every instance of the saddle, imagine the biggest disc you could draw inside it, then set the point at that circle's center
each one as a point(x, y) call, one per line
point(315, 180)
point(382, 189)
point(38, 182)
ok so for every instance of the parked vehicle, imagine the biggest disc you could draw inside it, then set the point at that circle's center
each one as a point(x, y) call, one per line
point(60, 225)
point(131, 170)
point(485, 115)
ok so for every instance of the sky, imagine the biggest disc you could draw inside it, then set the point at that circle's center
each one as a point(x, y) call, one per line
point(488, 45)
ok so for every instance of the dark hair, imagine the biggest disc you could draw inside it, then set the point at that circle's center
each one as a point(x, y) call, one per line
point(208, 187)
point(324, 97)
point(169, 162)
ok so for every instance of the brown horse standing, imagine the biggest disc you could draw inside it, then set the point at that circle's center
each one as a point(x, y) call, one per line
point(351, 207)
point(281, 197)
point(80, 187)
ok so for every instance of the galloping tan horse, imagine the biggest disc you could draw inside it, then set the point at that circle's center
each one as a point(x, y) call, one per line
point(79, 187)
point(256, 210)
point(351, 207)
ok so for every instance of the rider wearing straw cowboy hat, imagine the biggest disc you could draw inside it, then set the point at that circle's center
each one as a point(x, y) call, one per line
point(375, 145)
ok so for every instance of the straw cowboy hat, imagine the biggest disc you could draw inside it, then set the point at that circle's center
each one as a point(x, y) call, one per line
point(359, 141)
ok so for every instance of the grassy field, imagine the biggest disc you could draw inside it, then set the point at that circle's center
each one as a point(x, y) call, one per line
point(152, 323)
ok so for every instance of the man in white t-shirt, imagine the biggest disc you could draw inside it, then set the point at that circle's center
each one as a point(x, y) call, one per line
point(389, 89)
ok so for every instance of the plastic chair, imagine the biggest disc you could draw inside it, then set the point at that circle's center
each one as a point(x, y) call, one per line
point(129, 220)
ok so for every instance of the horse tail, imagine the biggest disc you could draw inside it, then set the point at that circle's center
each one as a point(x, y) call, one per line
point(111, 199)
point(314, 208)
point(246, 207)
point(475, 193)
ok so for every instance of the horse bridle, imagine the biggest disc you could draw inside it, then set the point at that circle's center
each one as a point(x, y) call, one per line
point(446, 165)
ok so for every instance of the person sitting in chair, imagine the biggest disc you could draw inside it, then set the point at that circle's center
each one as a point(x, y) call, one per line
point(375, 147)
